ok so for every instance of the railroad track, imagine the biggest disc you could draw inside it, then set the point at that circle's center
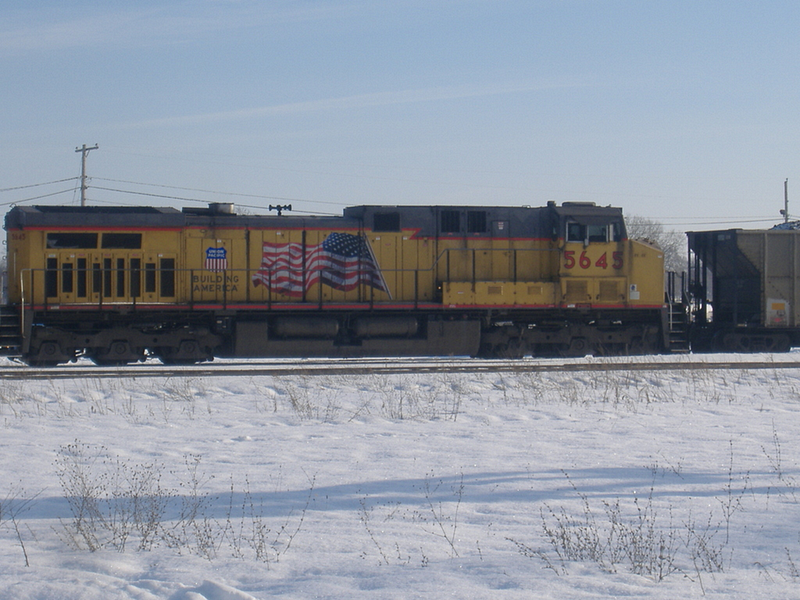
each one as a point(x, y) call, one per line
point(373, 367)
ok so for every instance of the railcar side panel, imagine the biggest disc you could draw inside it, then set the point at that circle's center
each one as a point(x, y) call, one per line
point(745, 289)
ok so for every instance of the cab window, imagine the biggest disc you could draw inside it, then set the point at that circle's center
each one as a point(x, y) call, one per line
point(587, 234)
point(575, 232)
point(597, 233)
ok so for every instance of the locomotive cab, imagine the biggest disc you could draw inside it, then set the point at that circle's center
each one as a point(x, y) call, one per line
point(597, 259)
point(583, 222)
point(586, 223)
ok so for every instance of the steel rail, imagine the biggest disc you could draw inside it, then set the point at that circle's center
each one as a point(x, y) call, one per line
point(319, 368)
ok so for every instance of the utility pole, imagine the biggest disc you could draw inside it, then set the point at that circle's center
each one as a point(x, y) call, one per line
point(786, 201)
point(84, 151)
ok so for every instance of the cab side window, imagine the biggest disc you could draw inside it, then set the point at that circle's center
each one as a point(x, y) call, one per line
point(575, 232)
point(597, 233)
point(587, 234)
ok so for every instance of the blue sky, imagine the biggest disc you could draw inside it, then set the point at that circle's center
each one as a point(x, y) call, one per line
point(681, 111)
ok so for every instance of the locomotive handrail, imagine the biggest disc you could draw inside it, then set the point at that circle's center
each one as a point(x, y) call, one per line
point(474, 250)
point(103, 292)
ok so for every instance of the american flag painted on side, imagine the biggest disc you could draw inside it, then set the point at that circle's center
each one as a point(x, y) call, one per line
point(342, 261)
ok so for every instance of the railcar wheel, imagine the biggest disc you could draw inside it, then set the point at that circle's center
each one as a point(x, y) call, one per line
point(781, 343)
point(751, 342)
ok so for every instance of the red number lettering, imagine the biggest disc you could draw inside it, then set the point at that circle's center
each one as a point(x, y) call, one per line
point(569, 259)
point(602, 262)
point(617, 260)
point(584, 261)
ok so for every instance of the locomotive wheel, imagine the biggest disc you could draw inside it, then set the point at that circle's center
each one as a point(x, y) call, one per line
point(188, 353)
point(578, 346)
point(512, 349)
point(637, 346)
point(49, 354)
point(118, 353)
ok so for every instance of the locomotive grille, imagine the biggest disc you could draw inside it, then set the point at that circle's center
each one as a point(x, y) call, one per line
point(609, 291)
point(535, 290)
point(577, 290)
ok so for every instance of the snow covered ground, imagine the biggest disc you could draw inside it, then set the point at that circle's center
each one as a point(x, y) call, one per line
point(566, 485)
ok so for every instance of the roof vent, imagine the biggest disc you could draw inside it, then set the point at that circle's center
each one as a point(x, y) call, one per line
point(215, 209)
point(221, 208)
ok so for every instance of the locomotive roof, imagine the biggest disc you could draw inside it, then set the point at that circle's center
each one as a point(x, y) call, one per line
point(540, 221)
point(588, 213)
point(522, 219)
point(92, 216)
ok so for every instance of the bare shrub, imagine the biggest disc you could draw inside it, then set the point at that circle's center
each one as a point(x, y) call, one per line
point(634, 537)
point(416, 399)
point(436, 514)
point(183, 392)
point(312, 402)
point(442, 523)
point(118, 504)
point(11, 396)
point(111, 500)
point(252, 532)
point(13, 505)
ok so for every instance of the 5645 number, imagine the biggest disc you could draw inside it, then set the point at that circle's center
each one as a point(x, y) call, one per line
point(584, 262)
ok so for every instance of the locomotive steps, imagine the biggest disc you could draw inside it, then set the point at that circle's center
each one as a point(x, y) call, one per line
point(10, 339)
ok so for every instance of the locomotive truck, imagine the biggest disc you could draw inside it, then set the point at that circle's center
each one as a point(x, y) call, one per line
point(121, 284)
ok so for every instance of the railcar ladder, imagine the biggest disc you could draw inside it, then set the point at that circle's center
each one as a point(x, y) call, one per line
point(678, 327)
point(677, 301)
point(10, 331)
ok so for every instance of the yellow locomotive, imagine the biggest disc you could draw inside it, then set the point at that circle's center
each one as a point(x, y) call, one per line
point(118, 285)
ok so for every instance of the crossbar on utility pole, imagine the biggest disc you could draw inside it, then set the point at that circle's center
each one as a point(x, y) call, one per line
point(84, 150)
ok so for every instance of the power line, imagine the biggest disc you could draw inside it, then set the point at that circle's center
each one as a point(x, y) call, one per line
point(35, 198)
point(712, 221)
point(305, 212)
point(727, 218)
point(184, 199)
point(151, 195)
point(239, 194)
point(22, 187)
point(670, 220)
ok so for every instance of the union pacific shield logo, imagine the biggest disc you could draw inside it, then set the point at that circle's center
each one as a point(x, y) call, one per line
point(216, 259)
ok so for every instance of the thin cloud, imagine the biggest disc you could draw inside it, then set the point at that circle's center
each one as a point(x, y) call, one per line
point(27, 31)
point(377, 99)
point(75, 32)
